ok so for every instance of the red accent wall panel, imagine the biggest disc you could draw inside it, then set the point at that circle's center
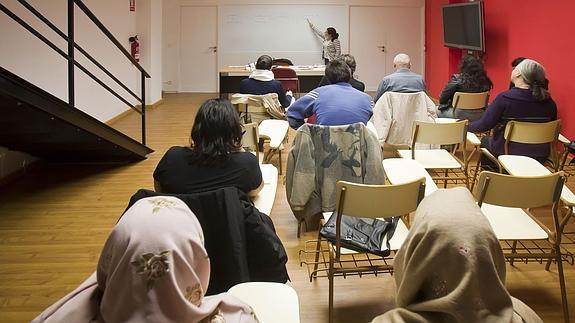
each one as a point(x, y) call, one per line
point(541, 30)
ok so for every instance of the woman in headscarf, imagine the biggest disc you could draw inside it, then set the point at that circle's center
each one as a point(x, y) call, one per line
point(451, 268)
point(153, 268)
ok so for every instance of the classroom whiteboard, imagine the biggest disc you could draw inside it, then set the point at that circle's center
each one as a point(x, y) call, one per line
point(247, 31)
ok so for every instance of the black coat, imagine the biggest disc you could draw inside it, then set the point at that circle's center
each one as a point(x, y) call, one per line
point(240, 240)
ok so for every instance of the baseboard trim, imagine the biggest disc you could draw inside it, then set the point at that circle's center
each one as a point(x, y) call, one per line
point(122, 115)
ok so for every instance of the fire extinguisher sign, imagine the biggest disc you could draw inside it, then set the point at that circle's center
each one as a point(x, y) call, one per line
point(132, 5)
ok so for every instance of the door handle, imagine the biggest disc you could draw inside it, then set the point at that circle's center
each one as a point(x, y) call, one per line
point(213, 48)
point(382, 48)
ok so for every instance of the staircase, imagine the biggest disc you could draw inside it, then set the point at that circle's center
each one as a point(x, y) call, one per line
point(38, 123)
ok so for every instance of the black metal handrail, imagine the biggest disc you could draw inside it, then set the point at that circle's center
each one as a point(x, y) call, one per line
point(72, 62)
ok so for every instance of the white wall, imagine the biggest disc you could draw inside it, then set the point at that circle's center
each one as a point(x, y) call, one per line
point(171, 27)
point(25, 55)
point(149, 30)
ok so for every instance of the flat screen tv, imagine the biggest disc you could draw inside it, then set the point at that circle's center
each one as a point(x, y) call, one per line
point(463, 25)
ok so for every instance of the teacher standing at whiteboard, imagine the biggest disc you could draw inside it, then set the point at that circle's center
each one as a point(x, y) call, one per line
point(331, 44)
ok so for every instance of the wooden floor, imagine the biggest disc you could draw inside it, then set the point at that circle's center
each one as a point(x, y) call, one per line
point(54, 221)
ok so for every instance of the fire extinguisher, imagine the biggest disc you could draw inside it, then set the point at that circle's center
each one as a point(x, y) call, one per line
point(135, 46)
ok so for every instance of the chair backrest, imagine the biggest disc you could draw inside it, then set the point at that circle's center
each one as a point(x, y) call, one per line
point(287, 77)
point(439, 133)
point(470, 101)
point(375, 201)
point(394, 114)
point(518, 191)
point(378, 201)
point(250, 138)
point(531, 132)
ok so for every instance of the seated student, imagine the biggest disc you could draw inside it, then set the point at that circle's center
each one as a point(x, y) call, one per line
point(215, 158)
point(261, 81)
point(472, 78)
point(528, 100)
point(514, 64)
point(450, 268)
point(402, 80)
point(153, 268)
point(350, 61)
point(335, 104)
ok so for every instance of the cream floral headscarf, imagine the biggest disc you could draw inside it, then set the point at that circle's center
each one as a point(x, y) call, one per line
point(451, 268)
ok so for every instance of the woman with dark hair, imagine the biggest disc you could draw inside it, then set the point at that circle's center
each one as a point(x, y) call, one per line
point(528, 100)
point(215, 158)
point(331, 44)
point(472, 78)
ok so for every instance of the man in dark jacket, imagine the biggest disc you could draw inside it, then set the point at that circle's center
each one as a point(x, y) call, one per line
point(261, 81)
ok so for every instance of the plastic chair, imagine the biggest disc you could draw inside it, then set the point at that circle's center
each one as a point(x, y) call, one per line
point(394, 114)
point(272, 302)
point(504, 200)
point(275, 132)
point(454, 134)
point(250, 140)
point(288, 78)
point(469, 101)
point(255, 106)
point(527, 133)
point(385, 201)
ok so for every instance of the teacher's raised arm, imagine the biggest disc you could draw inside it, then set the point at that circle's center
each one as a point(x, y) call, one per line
point(331, 44)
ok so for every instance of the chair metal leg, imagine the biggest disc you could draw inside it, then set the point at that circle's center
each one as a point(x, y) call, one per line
point(445, 180)
point(280, 160)
point(330, 278)
point(513, 249)
point(318, 251)
point(562, 285)
point(475, 173)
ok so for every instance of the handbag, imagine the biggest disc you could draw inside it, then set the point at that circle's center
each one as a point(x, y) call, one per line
point(362, 234)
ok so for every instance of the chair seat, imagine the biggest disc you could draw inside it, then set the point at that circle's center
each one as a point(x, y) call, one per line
point(473, 139)
point(512, 223)
point(264, 201)
point(271, 302)
point(432, 158)
point(395, 243)
point(274, 130)
point(403, 170)
point(527, 166)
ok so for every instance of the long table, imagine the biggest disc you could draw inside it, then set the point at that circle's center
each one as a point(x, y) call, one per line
point(230, 78)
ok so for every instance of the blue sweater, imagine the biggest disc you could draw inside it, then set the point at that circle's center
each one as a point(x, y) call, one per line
point(515, 104)
point(333, 105)
point(256, 87)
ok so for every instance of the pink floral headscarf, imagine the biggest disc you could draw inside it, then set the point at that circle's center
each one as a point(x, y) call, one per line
point(153, 268)
point(451, 268)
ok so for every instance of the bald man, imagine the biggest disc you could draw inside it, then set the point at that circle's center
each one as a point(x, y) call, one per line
point(402, 80)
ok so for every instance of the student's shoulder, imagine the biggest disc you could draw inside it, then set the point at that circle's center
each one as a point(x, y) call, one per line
point(244, 157)
point(178, 151)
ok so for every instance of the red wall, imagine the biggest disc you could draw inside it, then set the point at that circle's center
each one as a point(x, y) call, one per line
point(541, 30)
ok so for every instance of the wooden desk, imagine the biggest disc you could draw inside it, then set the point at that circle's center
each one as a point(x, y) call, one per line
point(230, 78)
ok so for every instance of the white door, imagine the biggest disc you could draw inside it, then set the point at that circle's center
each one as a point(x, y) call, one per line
point(198, 51)
point(377, 34)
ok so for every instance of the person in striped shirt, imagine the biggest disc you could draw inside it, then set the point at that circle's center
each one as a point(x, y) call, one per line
point(331, 44)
